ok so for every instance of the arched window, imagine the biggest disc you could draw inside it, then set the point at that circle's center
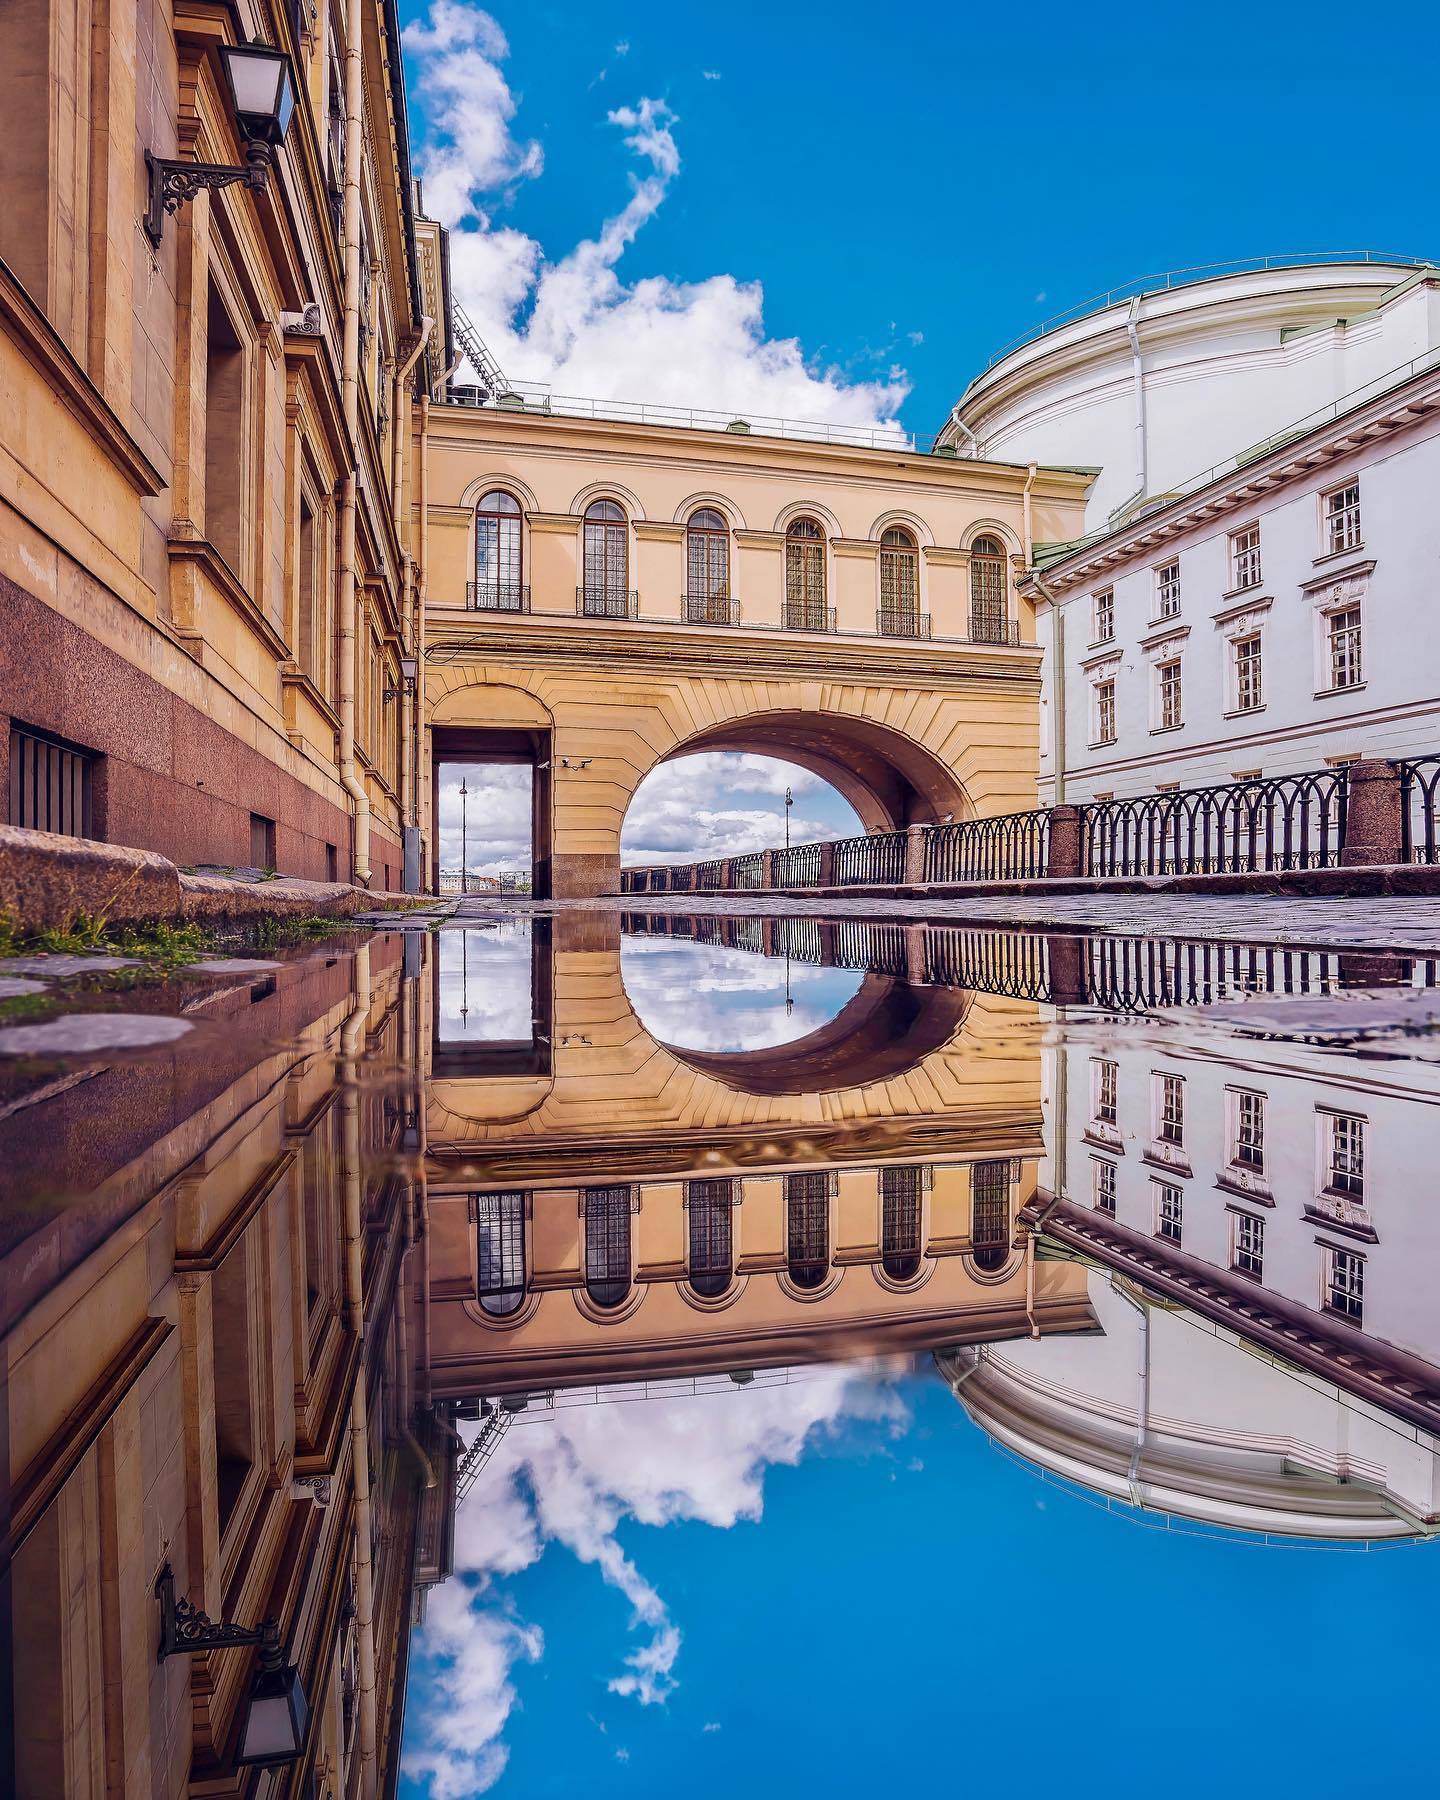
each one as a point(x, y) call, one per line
point(607, 1245)
point(990, 1215)
point(707, 568)
point(807, 1229)
point(500, 1253)
point(899, 583)
point(900, 1223)
point(805, 608)
point(499, 557)
point(989, 607)
point(709, 1206)
point(605, 588)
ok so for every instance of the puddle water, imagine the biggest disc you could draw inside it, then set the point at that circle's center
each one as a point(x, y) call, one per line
point(697, 1325)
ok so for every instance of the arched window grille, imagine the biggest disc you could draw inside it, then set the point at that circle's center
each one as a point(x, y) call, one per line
point(990, 1215)
point(710, 1210)
point(989, 604)
point(900, 1191)
point(499, 554)
point(807, 1229)
point(805, 608)
point(607, 1244)
point(707, 567)
point(606, 583)
point(899, 583)
point(500, 1253)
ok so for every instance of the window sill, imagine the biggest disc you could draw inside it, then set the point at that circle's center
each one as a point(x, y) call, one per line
point(1165, 730)
point(1250, 587)
point(1335, 693)
point(1101, 643)
point(1244, 712)
point(1102, 743)
point(1334, 556)
point(1164, 622)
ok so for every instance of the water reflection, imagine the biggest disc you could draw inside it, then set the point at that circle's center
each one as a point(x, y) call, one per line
point(430, 1256)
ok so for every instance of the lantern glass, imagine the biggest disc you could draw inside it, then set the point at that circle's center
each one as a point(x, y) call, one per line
point(262, 90)
point(409, 668)
point(276, 1714)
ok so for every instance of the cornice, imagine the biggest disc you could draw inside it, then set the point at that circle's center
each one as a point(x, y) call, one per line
point(551, 522)
point(944, 558)
point(869, 548)
point(204, 554)
point(658, 531)
point(1241, 610)
point(1165, 634)
point(760, 540)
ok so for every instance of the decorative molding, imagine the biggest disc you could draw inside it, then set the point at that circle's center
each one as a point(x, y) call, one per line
point(659, 531)
point(1342, 588)
point(1108, 663)
point(1161, 643)
point(759, 540)
point(194, 554)
point(1234, 621)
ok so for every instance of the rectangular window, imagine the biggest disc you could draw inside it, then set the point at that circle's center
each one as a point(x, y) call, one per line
point(49, 784)
point(1345, 1284)
point(1169, 1212)
point(1342, 518)
point(1104, 712)
point(262, 842)
point(1344, 1170)
point(1247, 1245)
point(1170, 1109)
point(1103, 1079)
point(1247, 1149)
point(1102, 1185)
point(1105, 616)
point(1170, 700)
point(1248, 673)
point(1167, 590)
point(224, 434)
point(1343, 631)
point(1245, 557)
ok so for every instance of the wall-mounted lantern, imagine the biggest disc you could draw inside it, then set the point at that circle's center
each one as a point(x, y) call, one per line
point(262, 98)
point(272, 1730)
point(409, 675)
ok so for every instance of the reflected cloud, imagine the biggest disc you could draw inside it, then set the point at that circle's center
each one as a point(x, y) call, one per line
point(708, 997)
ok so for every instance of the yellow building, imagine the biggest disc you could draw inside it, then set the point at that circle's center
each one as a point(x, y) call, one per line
point(603, 595)
point(205, 555)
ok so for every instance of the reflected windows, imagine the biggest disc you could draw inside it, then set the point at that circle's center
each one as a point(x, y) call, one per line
point(500, 1253)
point(1104, 1088)
point(900, 1198)
point(1247, 1144)
point(1102, 1185)
point(499, 566)
point(1345, 1284)
point(990, 1215)
point(807, 1229)
point(1170, 1110)
point(1247, 1245)
point(607, 1244)
point(709, 1207)
point(1343, 1169)
point(1169, 1212)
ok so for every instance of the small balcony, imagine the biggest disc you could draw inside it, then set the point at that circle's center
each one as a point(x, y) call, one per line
point(497, 596)
point(992, 628)
point(607, 603)
point(902, 621)
point(806, 615)
point(710, 609)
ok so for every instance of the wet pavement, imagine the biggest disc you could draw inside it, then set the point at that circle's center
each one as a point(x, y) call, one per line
point(593, 1333)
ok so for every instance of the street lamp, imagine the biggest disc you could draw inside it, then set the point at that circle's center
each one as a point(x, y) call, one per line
point(262, 98)
point(464, 838)
point(272, 1730)
point(789, 802)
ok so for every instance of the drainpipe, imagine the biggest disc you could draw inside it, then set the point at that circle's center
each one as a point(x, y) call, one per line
point(422, 588)
point(1137, 376)
point(1029, 536)
point(352, 1049)
point(1030, 1283)
point(960, 425)
point(402, 1347)
point(409, 703)
point(350, 406)
point(1142, 1413)
point(1057, 686)
point(401, 443)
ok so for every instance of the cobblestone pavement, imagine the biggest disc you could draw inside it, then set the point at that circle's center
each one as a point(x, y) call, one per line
point(1407, 925)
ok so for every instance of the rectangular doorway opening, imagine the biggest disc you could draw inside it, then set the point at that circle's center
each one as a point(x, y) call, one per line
point(491, 810)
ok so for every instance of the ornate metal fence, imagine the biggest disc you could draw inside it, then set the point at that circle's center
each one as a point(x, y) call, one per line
point(1419, 798)
point(876, 948)
point(1015, 847)
point(709, 875)
point(797, 866)
point(747, 871)
point(1284, 822)
point(876, 859)
point(995, 962)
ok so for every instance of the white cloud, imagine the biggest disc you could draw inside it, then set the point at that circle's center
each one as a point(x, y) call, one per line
point(712, 75)
point(573, 1480)
point(623, 47)
point(704, 805)
point(572, 321)
point(712, 1726)
point(497, 810)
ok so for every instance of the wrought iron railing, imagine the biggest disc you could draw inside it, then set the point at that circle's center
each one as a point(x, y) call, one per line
point(902, 621)
point(797, 865)
point(711, 609)
point(876, 859)
point(606, 603)
point(1282, 822)
point(802, 615)
point(709, 875)
point(1014, 847)
point(747, 871)
point(497, 596)
point(986, 629)
point(1419, 798)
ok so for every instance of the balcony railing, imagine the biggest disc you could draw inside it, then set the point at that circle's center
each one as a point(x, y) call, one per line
point(902, 621)
point(606, 603)
point(985, 628)
point(805, 615)
point(497, 596)
point(710, 609)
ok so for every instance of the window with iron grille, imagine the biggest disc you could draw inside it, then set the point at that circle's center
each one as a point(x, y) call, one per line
point(498, 553)
point(1104, 712)
point(990, 1214)
point(900, 1200)
point(899, 579)
point(1105, 616)
point(1167, 590)
point(1343, 631)
point(805, 575)
point(707, 556)
point(1102, 1185)
point(1342, 518)
point(1170, 1109)
point(607, 1244)
point(709, 1208)
point(1169, 1212)
point(1248, 669)
point(807, 1229)
point(607, 555)
point(1248, 1149)
point(49, 783)
point(500, 1252)
point(1345, 1283)
point(1344, 1171)
point(1170, 707)
point(1104, 1077)
point(989, 602)
point(1247, 1250)
point(1245, 557)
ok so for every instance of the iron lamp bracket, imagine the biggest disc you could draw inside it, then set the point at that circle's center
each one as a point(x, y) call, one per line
point(186, 1631)
point(173, 183)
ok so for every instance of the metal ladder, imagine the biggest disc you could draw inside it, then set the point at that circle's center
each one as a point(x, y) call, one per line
point(479, 1451)
point(479, 358)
